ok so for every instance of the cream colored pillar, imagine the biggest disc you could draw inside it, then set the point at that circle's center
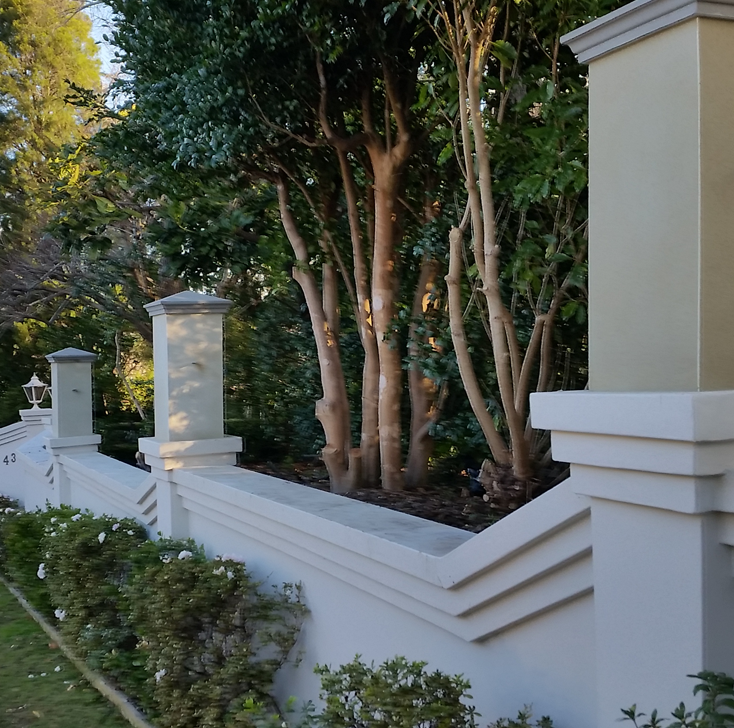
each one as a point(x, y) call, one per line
point(188, 380)
point(661, 158)
point(652, 446)
point(189, 413)
point(71, 385)
point(71, 420)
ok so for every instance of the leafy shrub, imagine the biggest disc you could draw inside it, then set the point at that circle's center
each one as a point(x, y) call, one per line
point(86, 561)
point(21, 533)
point(188, 638)
point(716, 709)
point(8, 508)
point(397, 694)
point(523, 720)
point(211, 635)
point(7, 502)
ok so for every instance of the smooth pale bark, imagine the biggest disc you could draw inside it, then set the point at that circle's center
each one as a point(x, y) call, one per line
point(466, 369)
point(384, 286)
point(470, 38)
point(388, 157)
point(332, 410)
point(330, 295)
point(504, 336)
point(370, 440)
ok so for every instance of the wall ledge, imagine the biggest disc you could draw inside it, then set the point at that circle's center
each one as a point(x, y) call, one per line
point(639, 20)
point(693, 417)
point(188, 302)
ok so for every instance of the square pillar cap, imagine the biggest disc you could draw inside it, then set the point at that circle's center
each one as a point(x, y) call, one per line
point(639, 20)
point(70, 355)
point(188, 302)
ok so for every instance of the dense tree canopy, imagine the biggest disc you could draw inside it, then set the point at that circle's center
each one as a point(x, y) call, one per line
point(401, 183)
point(43, 44)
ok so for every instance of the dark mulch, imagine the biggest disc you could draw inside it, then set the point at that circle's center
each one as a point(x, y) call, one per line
point(454, 500)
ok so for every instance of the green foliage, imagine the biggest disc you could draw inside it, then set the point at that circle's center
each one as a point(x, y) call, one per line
point(715, 711)
point(220, 99)
point(396, 694)
point(210, 634)
point(523, 720)
point(271, 378)
point(43, 43)
point(23, 348)
point(186, 637)
point(86, 560)
point(21, 552)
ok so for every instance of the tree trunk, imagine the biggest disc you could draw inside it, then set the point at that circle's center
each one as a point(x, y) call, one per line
point(332, 410)
point(463, 357)
point(384, 285)
point(422, 389)
point(370, 440)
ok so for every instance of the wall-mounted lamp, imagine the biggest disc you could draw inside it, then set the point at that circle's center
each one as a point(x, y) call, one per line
point(35, 391)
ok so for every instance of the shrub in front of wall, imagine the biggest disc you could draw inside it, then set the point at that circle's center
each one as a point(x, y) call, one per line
point(524, 720)
point(21, 553)
point(715, 711)
point(7, 502)
point(397, 694)
point(211, 635)
point(186, 637)
point(86, 560)
point(8, 508)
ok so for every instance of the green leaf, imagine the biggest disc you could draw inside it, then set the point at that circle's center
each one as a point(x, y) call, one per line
point(104, 206)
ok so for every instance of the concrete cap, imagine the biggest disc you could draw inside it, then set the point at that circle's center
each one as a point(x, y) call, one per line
point(71, 355)
point(638, 20)
point(188, 302)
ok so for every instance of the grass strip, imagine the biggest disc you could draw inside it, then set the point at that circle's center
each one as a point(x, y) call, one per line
point(38, 687)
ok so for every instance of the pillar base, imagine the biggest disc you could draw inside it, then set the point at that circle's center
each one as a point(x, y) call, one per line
point(190, 453)
point(73, 445)
point(37, 416)
point(658, 469)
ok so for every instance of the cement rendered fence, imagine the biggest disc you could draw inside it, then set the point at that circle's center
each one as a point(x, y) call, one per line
point(606, 591)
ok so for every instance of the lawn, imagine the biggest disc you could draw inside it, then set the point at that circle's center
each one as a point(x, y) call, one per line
point(38, 685)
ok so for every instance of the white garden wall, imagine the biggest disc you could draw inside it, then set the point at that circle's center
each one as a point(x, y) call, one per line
point(511, 608)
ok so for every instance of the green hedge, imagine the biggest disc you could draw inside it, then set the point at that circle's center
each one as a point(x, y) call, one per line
point(197, 642)
point(188, 638)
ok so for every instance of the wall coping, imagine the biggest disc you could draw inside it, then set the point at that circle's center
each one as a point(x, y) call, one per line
point(188, 302)
point(692, 417)
point(431, 571)
point(639, 20)
point(70, 355)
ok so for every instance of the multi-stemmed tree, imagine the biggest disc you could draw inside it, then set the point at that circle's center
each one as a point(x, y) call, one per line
point(317, 100)
point(365, 131)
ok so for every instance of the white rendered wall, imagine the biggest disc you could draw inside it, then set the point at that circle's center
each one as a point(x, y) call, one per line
point(12, 474)
point(356, 607)
point(511, 608)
